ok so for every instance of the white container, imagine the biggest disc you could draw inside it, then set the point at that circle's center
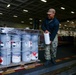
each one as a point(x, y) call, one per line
point(16, 57)
point(47, 38)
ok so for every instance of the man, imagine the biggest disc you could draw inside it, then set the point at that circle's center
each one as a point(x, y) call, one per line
point(51, 26)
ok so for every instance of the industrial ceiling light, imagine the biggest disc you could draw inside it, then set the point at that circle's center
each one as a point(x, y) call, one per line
point(15, 16)
point(22, 21)
point(60, 24)
point(62, 8)
point(72, 22)
point(65, 25)
point(67, 20)
point(25, 10)
point(8, 5)
point(40, 20)
point(72, 12)
point(44, 1)
point(30, 18)
point(1, 13)
point(30, 22)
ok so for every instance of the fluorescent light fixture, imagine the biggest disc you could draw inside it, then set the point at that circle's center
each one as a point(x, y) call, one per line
point(72, 12)
point(44, 1)
point(25, 10)
point(15, 16)
point(1, 13)
point(60, 24)
point(62, 8)
point(40, 20)
point(22, 21)
point(67, 20)
point(30, 18)
point(65, 25)
point(72, 22)
point(30, 22)
point(8, 5)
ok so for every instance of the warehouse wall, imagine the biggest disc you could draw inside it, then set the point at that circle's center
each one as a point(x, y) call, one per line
point(16, 25)
point(69, 24)
point(68, 28)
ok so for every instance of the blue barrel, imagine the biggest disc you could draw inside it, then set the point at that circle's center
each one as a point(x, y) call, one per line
point(26, 56)
point(5, 49)
point(34, 51)
point(34, 37)
point(34, 48)
point(6, 59)
point(16, 48)
point(16, 43)
point(26, 37)
point(26, 43)
point(5, 41)
point(26, 46)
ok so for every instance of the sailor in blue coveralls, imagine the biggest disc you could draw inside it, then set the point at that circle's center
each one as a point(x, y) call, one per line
point(51, 26)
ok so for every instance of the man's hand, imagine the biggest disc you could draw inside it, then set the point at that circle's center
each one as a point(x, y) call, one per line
point(46, 31)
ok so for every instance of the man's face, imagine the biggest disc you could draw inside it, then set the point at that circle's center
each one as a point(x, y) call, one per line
point(51, 16)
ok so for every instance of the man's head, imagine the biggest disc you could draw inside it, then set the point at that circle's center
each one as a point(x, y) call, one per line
point(51, 13)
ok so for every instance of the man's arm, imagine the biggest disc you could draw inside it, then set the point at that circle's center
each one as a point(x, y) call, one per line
point(43, 27)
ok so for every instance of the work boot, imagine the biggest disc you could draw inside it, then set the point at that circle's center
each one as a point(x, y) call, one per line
point(47, 63)
point(53, 61)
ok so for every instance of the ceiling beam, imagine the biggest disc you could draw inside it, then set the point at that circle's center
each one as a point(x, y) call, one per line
point(4, 2)
point(46, 6)
point(10, 12)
